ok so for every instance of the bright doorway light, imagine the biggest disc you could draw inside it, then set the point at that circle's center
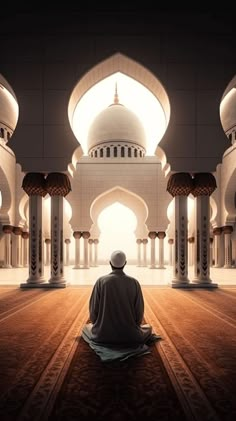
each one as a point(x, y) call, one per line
point(117, 224)
point(171, 208)
point(133, 95)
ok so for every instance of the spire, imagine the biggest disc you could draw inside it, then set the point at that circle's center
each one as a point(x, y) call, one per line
point(116, 98)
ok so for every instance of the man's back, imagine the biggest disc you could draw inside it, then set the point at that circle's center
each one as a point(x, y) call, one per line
point(116, 309)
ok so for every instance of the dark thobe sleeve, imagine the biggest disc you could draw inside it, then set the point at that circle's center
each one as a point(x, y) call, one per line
point(139, 305)
point(94, 303)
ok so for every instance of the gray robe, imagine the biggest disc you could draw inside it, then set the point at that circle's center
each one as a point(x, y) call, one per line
point(116, 310)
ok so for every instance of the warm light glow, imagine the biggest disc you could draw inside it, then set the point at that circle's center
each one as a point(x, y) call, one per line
point(67, 212)
point(117, 224)
point(133, 95)
point(190, 207)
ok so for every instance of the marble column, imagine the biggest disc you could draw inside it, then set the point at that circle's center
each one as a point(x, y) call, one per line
point(34, 185)
point(180, 186)
point(67, 247)
point(139, 242)
point(152, 235)
point(90, 242)
point(48, 249)
point(77, 235)
point(161, 235)
point(227, 230)
point(204, 185)
point(86, 236)
point(7, 229)
point(191, 241)
point(25, 237)
point(217, 246)
point(145, 242)
point(171, 254)
point(57, 186)
point(96, 242)
point(211, 251)
point(17, 247)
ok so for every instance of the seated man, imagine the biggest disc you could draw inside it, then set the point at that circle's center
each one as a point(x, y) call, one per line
point(116, 310)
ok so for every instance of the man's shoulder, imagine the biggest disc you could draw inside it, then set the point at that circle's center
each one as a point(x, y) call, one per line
point(132, 279)
point(103, 278)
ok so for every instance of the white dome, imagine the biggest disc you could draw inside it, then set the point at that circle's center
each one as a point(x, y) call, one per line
point(228, 110)
point(9, 110)
point(116, 124)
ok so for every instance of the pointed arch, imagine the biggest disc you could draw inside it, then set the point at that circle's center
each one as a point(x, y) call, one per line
point(126, 198)
point(119, 63)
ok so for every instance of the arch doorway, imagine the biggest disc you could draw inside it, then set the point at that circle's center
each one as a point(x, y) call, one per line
point(119, 218)
point(117, 224)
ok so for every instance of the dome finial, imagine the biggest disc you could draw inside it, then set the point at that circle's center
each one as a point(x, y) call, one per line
point(116, 97)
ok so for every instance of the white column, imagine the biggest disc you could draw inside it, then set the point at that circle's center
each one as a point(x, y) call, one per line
point(145, 241)
point(18, 247)
point(47, 252)
point(161, 235)
point(202, 236)
point(67, 256)
point(227, 230)
point(57, 261)
point(96, 241)
point(25, 237)
point(181, 246)
point(139, 242)
point(77, 235)
point(171, 254)
point(152, 235)
point(86, 236)
point(211, 251)
point(7, 229)
point(191, 251)
point(90, 242)
point(217, 246)
point(36, 261)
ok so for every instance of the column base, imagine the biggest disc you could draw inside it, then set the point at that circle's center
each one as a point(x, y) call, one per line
point(180, 284)
point(203, 284)
point(57, 283)
point(33, 283)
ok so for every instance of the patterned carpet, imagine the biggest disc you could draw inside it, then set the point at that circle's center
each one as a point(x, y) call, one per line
point(47, 371)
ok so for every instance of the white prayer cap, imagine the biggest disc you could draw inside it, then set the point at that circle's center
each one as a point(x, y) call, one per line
point(118, 259)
